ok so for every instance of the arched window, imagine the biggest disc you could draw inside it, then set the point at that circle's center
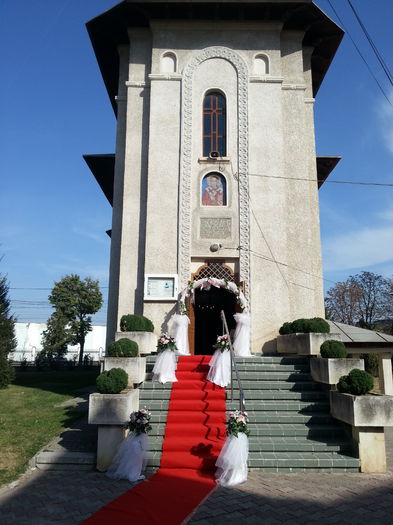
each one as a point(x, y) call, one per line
point(261, 65)
point(168, 63)
point(214, 124)
point(214, 190)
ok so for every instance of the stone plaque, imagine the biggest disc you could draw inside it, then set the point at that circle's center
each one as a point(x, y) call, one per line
point(215, 228)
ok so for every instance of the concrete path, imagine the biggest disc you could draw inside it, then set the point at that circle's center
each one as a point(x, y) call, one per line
point(68, 497)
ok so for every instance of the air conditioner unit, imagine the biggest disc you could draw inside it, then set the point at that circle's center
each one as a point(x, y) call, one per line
point(214, 154)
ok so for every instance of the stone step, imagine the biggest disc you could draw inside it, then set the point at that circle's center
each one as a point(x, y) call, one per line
point(49, 460)
point(288, 418)
point(274, 375)
point(275, 360)
point(255, 359)
point(302, 460)
point(250, 395)
point(291, 428)
point(279, 395)
point(288, 462)
point(317, 431)
point(265, 368)
point(256, 418)
point(277, 444)
point(253, 407)
point(295, 386)
point(255, 374)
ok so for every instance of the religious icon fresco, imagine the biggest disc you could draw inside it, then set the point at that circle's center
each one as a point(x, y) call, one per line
point(214, 190)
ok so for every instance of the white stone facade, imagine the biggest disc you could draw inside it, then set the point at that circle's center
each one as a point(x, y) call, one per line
point(271, 218)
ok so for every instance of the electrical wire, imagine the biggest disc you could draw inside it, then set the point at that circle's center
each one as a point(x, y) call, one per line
point(372, 44)
point(360, 54)
point(322, 180)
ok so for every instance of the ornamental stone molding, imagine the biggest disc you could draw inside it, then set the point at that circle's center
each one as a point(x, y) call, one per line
point(184, 243)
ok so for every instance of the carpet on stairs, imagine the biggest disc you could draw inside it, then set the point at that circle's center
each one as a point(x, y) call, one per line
point(194, 435)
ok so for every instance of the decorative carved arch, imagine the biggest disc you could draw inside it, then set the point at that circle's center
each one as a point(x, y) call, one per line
point(184, 240)
point(205, 284)
point(215, 269)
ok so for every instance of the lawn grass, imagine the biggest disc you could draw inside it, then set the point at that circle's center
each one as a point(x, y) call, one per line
point(30, 416)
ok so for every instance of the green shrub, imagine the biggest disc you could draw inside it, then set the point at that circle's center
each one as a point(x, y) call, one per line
point(333, 349)
point(357, 382)
point(123, 348)
point(305, 326)
point(7, 372)
point(112, 381)
point(370, 363)
point(136, 323)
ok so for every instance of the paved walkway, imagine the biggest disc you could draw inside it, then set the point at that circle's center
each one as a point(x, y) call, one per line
point(68, 497)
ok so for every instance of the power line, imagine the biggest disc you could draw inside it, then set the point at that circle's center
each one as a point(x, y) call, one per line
point(261, 256)
point(372, 44)
point(360, 54)
point(27, 288)
point(321, 180)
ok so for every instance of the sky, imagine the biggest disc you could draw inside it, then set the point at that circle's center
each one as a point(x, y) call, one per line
point(54, 108)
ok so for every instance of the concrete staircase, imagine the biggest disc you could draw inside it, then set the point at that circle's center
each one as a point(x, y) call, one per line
point(291, 428)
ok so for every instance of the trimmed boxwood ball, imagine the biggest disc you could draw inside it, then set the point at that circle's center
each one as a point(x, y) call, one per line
point(123, 348)
point(333, 349)
point(306, 326)
point(357, 382)
point(371, 363)
point(135, 323)
point(112, 381)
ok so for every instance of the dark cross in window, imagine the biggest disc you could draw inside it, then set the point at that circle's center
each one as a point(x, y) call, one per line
point(214, 124)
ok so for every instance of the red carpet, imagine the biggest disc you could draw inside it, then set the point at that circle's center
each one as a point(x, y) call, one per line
point(194, 435)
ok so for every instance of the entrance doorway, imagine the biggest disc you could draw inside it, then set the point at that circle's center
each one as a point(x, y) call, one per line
point(208, 323)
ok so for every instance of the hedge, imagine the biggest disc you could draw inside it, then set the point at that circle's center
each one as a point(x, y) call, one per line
point(123, 348)
point(135, 323)
point(305, 326)
point(112, 381)
point(333, 349)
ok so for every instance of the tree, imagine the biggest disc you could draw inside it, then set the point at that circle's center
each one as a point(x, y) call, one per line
point(76, 300)
point(56, 337)
point(7, 335)
point(342, 302)
point(374, 302)
point(362, 299)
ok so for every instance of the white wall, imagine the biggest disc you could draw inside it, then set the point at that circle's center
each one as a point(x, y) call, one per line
point(29, 337)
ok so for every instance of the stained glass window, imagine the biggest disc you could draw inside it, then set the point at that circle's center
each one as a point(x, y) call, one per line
point(214, 124)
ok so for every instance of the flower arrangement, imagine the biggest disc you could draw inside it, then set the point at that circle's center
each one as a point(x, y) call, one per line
point(222, 343)
point(237, 422)
point(139, 422)
point(166, 342)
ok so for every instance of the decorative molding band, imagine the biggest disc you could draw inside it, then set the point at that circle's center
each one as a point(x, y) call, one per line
point(294, 87)
point(215, 162)
point(309, 100)
point(138, 84)
point(185, 227)
point(165, 76)
point(267, 79)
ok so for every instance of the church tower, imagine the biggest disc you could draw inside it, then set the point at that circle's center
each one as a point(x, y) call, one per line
point(215, 172)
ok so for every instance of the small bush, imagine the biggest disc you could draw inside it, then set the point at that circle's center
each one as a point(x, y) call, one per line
point(112, 381)
point(370, 363)
point(333, 349)
point(357, 382)
point(305, 326)
point(123, 348)
point(7, 372)
point(136, 323)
